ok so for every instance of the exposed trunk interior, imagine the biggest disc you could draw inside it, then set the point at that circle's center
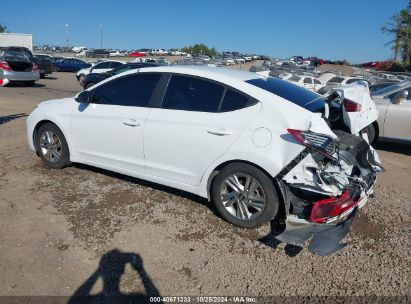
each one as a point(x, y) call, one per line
point(21, 66)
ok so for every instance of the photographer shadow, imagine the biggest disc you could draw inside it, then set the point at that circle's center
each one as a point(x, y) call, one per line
point(111, 268)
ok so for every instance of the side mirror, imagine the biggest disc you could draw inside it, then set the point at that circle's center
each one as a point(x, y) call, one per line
point(400, 97)
point(84, 97)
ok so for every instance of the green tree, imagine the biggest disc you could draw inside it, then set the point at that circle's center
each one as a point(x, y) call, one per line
point(400, 28)
point(200, 49)
point(3, 28)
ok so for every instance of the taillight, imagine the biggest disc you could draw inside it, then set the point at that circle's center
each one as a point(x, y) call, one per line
point(35, 67)
point(331, 207)
point(5, 66)
point(351, 106)
point(319, 142)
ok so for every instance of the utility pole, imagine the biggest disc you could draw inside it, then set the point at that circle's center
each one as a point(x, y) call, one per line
point(67, 36)
point(101, 36)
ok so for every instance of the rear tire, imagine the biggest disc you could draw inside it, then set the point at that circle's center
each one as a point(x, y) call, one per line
point(52, 146)
point(244, 196)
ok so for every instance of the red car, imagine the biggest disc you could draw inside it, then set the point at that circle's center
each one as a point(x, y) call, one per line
point(136, 54)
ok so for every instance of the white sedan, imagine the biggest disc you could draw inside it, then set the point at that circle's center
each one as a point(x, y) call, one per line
point(258, 147)
point(394, 108)
point(308, 82)
point(101, 67)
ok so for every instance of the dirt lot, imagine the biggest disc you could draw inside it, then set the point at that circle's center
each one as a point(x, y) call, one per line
point(65, 229)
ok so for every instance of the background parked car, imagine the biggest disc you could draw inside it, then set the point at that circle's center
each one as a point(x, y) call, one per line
point(93, 78)
point(71, 65)
point(16, 67)
point(44, 65)
point(100, 67)
point(135, 54)
point(394, 113)
point(308, 82)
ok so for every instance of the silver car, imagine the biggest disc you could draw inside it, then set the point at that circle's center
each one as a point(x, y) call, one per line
point(394, 113)
point(16, 67)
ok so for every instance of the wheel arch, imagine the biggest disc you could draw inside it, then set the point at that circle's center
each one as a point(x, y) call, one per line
point(43, 122)
point(279, 192)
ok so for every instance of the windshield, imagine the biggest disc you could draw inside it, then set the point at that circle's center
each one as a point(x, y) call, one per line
point(393, 87)
point(302, 97)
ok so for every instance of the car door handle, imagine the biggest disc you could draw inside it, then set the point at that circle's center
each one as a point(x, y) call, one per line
point(131, 122)
point(219, 132)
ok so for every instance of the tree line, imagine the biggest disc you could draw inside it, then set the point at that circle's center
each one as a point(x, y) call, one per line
point(399, 28)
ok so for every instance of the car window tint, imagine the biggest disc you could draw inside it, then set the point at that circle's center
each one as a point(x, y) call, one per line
point(103, 65)
point(133, 90)
point(233, 101)
point(336, 79)
point(115, 64)
point(353, 80)
point(123, 69)
point(307, 80)
point(294, 78)
point(316, 81)
point(192, 94)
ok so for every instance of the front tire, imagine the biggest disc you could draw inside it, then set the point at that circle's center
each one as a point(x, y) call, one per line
point(52, 146)
point(244, 195)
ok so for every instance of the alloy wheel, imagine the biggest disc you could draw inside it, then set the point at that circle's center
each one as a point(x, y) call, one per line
point(50, 146)
point(243, 196)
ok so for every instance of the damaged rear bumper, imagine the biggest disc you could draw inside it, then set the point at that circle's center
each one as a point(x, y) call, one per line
point(322, 196)
point(325, 238)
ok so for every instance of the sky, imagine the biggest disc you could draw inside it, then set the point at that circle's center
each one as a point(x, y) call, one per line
point(328, 29)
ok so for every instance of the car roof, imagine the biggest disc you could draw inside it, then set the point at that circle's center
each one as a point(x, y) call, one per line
point(205, 71)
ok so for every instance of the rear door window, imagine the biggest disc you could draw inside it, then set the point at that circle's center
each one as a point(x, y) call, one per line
point(192, 94)
point(234, 101)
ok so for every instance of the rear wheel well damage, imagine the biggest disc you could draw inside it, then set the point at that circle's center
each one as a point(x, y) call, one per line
point(281, 214)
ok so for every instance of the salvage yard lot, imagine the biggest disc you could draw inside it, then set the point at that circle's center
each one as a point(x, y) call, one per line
point(57, 227)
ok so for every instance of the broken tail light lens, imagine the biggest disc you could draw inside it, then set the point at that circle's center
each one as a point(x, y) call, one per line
point(351, 106)
point(5, 66)
point(331, 207)
point(319, 142)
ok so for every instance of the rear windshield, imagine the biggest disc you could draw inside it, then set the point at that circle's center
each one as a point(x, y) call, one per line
point(302, 97)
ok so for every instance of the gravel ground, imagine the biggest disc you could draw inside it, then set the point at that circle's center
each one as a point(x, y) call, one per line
point(83, 227)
